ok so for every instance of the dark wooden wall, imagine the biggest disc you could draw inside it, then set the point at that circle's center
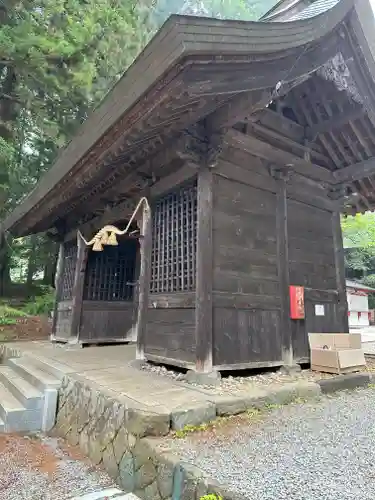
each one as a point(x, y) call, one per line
point(103, 321)
point(246, 299)
point(312, 264)
point(248, 320)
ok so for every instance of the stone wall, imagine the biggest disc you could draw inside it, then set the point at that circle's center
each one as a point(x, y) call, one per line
point(113, 433)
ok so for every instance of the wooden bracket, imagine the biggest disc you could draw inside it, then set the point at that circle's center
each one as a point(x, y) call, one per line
point(202, 148)
point(338, 192)
point(281, 172)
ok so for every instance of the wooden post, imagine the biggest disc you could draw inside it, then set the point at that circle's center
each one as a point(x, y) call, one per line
point(283, 266)
point(340, 272)
point(79, 281)
point(58, 285)
point(204, 276)
point(144, 281)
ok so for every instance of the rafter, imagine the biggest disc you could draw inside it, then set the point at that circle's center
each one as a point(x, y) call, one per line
point(355, 172)
point(300, 149)
point(335, 122)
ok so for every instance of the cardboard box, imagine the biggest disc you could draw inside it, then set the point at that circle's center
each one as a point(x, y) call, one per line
point(336, 352)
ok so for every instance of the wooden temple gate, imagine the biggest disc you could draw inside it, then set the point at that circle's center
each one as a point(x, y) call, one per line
point(248, 140)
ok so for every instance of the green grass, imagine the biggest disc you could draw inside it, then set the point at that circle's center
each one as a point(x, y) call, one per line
point(9, 315)
point(40, 305)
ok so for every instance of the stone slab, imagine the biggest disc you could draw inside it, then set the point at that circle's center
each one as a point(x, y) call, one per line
point(343, 382)
point(192, 414)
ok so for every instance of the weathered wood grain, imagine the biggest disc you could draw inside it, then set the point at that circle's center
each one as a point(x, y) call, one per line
point(78, 287)
point(144, 280)
point(203, 308)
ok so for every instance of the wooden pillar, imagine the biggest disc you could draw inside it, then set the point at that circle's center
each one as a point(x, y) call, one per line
point(144, 281)
point(283, 265)
point(204, 272)
point(340, 272)
point(59, 275)
point(79, 282)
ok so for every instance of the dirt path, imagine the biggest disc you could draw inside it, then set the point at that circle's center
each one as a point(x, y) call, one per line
point(43, 468)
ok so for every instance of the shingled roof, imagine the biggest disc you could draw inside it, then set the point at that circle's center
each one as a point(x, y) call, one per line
point(191, 68)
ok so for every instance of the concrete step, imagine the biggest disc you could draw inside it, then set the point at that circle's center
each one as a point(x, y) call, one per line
point(30, 397)
point(51, 366)
point(15, 416)
point(39, 380)
point(35, 375)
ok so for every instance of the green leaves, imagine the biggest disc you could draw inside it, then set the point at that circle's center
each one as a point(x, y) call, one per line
point(359, 230)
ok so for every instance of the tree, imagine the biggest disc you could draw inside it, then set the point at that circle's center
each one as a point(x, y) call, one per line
point(359, 240)
point(247, 10)
point(57, 61)
point(359, 230)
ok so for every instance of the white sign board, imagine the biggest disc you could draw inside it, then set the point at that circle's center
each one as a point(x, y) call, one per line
point(319, 310)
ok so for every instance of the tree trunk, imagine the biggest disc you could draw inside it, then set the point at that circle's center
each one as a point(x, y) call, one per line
point(50, 265)
point(31, 267)
point(4, 265)
point(49, 272)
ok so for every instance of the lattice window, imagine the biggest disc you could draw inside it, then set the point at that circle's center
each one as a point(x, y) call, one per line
point(174, 241)
point(69, 267)
point(110, 274)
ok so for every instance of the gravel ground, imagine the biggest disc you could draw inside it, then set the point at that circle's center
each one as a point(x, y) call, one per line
point(233, 384)
point(322, 450)
point(41, 468)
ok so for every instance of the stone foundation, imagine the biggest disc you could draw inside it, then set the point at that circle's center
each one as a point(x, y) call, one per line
point(123, 439)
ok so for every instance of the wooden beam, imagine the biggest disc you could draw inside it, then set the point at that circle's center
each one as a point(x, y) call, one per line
point(335, 122)
point(204, 277)
point(125, 209)
point(355, 172)
point(238, 108)
point(58, 285)
point(144, 281)
point(300, 149)
point(283, 266)
point(79, 281)
point(147, 169)
point(340, 273)
point(271, 153)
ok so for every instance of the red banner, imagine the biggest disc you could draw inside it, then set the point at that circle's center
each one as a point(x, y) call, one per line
point(297, 302)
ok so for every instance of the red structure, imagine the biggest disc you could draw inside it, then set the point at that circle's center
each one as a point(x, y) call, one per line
point(297, 302)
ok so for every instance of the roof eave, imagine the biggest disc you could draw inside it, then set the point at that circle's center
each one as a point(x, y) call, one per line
point(186, 44)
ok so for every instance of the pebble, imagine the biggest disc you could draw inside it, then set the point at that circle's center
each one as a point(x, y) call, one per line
point(230, 384)
point(322, 450)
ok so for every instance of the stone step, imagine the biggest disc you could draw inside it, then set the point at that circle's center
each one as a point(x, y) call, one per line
point(51, 366)
point(20, 388)
point(15, 416)
point(35, 375)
